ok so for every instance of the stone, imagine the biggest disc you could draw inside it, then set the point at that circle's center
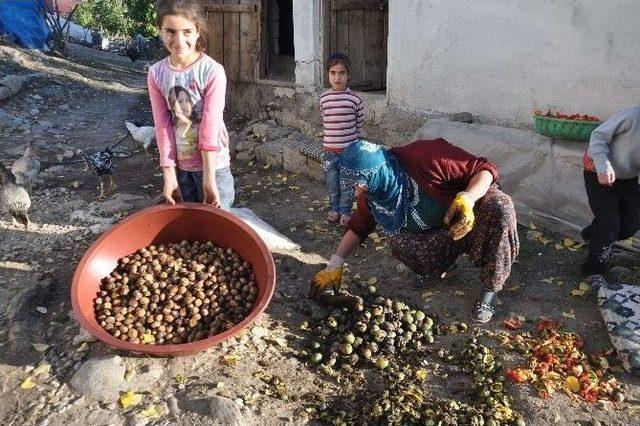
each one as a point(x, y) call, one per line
point(11, 84)
point(42, 126)
point(146, 377)
point(118, 203)
point(8, 120)
point(292, 159)
point(260, 129)
point(98, 228)
point(101, 378)
point(83, 336)
point(226, 412)
point(247, 145)
point(85, 216)
point(462, 117)
point(246, 156)
point(270, 152)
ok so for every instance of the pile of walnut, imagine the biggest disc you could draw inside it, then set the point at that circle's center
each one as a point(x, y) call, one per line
point(175, 293)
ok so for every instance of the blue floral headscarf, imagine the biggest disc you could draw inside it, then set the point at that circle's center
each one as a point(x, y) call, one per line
point(389, 190)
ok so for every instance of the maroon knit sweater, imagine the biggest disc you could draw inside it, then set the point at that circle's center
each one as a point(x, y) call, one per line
point(440, 169)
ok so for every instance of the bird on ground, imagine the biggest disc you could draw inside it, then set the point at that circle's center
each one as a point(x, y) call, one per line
point(26, 168)
point(143, 134)
point(14, 198)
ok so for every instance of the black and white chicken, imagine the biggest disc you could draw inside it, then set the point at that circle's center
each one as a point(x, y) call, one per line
point(14, 198)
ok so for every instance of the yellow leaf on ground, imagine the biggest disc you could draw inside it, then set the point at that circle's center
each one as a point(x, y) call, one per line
point(372, 280)
point(559, 247)
point(43, 368)
point(459, 293)
point(544, 240)
point(514, 287)
point(151, 411)
point(83, 347)
point(577, 292)
point(28, 383)
point(547, 280)
point(572, 384)
point(533, 226)
point(266, 166)
point(568, 242)
point(421, 374)
point(40, 347)
point(130, 398)
point(250, 163)
point(231, 360)
point(584, 286)
point(571, 314)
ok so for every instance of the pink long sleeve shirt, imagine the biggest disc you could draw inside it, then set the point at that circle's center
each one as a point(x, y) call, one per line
point(188, 107)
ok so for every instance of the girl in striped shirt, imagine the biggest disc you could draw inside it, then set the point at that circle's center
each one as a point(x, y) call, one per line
point(342, 118)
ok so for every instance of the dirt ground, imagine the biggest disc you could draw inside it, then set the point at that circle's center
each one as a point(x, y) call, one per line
point(86, 102)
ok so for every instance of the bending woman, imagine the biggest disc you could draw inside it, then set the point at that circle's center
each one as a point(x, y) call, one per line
point(435, 202)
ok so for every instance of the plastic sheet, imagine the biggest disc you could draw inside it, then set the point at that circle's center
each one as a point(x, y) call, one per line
point(24, 21)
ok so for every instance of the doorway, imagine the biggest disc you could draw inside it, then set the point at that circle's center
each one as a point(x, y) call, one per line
point(280, 53)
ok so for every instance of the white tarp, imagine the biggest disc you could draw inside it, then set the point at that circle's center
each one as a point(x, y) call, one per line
point(272, 238)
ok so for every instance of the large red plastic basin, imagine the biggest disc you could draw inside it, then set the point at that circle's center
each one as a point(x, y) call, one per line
point(166, 224)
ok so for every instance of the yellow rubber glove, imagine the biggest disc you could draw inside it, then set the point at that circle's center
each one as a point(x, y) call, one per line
point(460, 217)
point(324, 279)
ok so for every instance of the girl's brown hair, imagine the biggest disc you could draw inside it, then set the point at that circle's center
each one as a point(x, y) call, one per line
point(189, 9)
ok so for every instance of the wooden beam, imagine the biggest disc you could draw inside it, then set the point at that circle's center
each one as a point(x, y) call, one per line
point(232, 8)
point(358, 5)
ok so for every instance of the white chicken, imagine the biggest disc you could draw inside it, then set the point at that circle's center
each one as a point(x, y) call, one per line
point(143, 134)
point(26, 168)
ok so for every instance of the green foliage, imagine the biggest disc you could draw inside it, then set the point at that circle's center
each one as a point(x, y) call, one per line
point(118, 17)
point(143, 16)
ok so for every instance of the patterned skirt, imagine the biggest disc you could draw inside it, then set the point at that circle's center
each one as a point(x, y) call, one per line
point(492, 244)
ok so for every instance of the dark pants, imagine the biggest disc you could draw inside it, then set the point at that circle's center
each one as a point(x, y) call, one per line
point(191, 186)
point(616, 211)
point(492, 244)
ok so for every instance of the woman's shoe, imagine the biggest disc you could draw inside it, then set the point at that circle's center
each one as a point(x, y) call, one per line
point(483, 312)
point(485, 308)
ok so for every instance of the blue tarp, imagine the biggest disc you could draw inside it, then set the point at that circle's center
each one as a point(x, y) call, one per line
point(24, 21)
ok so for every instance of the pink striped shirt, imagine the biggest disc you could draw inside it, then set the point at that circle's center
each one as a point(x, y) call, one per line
point(188, 107)
point(342, 118)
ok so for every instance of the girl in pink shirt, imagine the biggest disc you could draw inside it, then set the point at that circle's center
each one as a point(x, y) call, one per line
point(187, 91)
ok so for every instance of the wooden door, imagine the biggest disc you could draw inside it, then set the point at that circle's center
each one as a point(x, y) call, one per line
point(359, 30)
point(234, 36)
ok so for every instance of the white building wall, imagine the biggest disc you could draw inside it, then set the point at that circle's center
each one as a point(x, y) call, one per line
point(307, 42)
point(499, 59)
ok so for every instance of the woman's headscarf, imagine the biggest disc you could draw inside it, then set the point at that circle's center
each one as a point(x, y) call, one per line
point(389, 189)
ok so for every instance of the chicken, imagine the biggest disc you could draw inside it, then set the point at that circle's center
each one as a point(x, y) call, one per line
point(132, 50)
point(143, 134)
point(14, 199)
point(26, 168)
